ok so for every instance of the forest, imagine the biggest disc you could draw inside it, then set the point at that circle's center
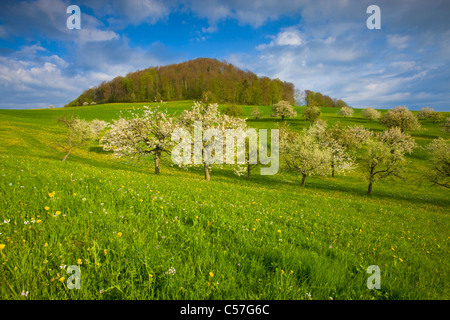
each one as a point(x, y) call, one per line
point(203, 79)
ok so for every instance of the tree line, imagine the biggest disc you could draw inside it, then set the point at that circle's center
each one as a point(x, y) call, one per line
point(200, 79)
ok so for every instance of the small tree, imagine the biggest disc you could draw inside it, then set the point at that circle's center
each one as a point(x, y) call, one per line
point(424, 113)
point(209, 117)
point(141, 135)
point(283, 109)
point(383, 155)
point(312, 113)
point(79, 132)
point(370, 114)
point(303, 153)
point(439, 172)
point(436, 117)
point(257, 113)
point(400, 117)
point(233, 110)
point(446, 125)
point(346, 111)
point(97, 126)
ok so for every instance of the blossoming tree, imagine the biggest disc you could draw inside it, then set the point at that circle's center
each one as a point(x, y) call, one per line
point(141, 135)
point(208, 126)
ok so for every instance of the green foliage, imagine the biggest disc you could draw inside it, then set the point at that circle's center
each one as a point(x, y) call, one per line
point(312, 113)
point(208, 80)
point(233, 110)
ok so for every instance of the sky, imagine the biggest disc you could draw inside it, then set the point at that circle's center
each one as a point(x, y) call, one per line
point(322, 46)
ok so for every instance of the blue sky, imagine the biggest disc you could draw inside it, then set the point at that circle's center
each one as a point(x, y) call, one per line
point(317, 45)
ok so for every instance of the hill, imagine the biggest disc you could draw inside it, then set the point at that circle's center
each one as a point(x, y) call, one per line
point(228, 238)
point(199, 79)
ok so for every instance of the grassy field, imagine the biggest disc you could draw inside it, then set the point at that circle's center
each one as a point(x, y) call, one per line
point(136, 235)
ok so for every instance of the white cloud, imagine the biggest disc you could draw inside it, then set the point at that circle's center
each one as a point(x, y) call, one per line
point(398, 41)
point(287, 37)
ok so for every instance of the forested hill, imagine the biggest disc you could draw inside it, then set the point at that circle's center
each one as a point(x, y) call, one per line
point(199, 79)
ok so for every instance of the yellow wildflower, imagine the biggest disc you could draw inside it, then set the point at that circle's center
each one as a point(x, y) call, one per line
point(46, 208)
point(119, 234)
point(211, 274)
point(2, 246)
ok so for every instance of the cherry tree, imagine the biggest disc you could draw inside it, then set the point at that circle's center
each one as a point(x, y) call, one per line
point(77, 134)
point(283, 109)
point(370, 114)
point(384, 155)
point(141, 135)
point(400, 117)
point(346, 111)
point(303, 153)
point(208, 127)
point(439, 173)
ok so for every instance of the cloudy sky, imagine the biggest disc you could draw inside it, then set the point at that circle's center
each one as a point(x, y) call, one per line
point(317, 45)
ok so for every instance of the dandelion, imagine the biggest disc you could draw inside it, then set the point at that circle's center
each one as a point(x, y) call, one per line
point(2, 246)
point(58, 213)
point(46, 208)
point(104, 251)
point(279, 231)
point(52, 194)
point(45, 245)
point(61, 279)
point(119, 234)
point(38, 221)
point(282, 271)
point(291, 272)
point(79, 261)
point(211, 274)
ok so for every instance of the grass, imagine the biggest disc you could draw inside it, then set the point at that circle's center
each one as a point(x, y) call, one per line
point(229, 238)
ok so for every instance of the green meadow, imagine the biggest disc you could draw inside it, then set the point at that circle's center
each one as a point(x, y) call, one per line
point(137, 235)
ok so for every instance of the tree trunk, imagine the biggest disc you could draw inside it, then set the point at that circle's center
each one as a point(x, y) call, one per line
point(332, 169)
point(68, 152)
point(207, 172)
point(282, 118)
point(303, 180)
point(369, 190)
point(157, 158)
point(248, 170)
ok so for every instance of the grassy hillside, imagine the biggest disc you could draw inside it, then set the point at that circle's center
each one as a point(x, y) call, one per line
point(136, 235)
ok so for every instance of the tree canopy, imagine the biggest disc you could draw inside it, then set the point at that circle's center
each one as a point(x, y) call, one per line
point(204, 79)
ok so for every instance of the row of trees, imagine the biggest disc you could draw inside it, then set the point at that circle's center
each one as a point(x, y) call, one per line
point(203, 79)
point(317, 150)
point(321, 100)
point(399, 116)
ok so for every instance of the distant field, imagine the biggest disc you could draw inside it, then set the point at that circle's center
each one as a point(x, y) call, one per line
point(136, 235)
